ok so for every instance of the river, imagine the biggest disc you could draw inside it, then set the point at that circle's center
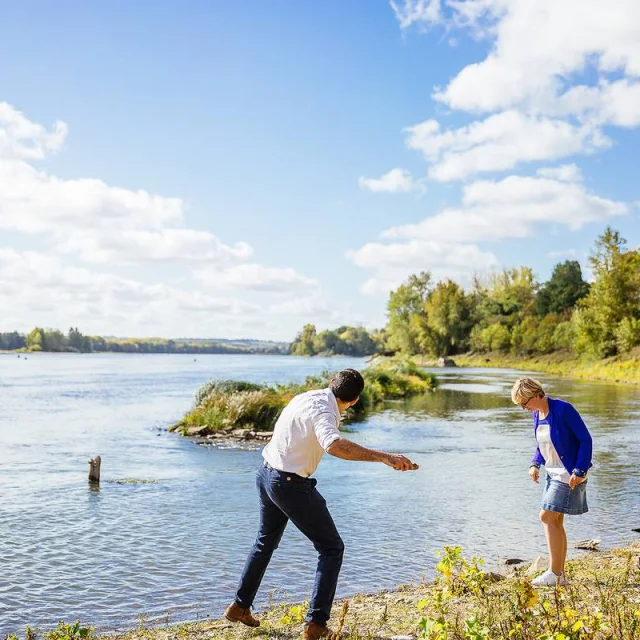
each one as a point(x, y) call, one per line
point(173, 548)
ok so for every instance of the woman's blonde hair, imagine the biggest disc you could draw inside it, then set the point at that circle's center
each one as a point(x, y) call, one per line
point(524, 389)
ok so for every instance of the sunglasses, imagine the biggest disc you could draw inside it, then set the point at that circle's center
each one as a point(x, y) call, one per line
point(526, 404)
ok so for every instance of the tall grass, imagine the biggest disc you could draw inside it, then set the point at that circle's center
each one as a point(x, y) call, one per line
point(600, 602)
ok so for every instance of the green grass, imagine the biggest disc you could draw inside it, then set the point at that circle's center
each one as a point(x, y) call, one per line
point(616, 369)
point(225, 404)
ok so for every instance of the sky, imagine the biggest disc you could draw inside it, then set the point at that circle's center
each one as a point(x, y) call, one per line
point(238, 169)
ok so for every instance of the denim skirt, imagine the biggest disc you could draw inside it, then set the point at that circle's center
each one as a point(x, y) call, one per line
point(559, 497)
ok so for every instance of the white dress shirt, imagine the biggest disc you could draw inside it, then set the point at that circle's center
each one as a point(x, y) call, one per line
point(305, 429)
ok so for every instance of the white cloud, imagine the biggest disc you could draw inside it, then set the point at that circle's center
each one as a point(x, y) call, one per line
point(424, 12)
point(538, 45)
point(36, 202)
point(392, 263)
point(255, 277)
point(613, 103)
point(447, 244)
point(88, 220)
point(555, 75)
point(512, 208)
point(498, 143)
point(44, 290)
point(22, 139)
point(394, 181)
point(158, 245)
point(86, 216)
point(563, 173)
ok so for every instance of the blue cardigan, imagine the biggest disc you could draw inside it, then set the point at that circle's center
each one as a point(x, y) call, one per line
point(569, 436)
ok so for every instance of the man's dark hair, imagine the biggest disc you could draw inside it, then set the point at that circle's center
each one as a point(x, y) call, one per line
point(347, 385)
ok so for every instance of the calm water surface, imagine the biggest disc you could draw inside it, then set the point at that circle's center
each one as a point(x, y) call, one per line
point(174, 548)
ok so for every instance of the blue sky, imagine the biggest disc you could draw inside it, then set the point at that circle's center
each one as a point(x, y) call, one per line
point(238, 169)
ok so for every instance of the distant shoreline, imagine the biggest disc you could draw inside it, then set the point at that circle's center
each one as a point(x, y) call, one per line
point(619, 370)
point(143, 353)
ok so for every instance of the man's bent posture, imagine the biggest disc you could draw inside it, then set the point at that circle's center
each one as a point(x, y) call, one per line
point(307, 428)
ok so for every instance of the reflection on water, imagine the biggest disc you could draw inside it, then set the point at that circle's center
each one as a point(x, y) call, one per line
point(176, 546)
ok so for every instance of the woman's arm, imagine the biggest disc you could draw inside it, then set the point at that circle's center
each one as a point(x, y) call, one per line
point(537, 460)
point(574, 421)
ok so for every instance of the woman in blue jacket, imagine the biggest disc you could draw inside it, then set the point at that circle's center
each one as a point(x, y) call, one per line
point(564, 448)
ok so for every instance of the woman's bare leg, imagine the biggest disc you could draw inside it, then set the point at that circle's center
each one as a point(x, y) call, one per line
point(556, 539)
point(564, 535)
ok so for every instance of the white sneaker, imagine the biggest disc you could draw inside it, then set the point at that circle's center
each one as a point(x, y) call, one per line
point(549, 579)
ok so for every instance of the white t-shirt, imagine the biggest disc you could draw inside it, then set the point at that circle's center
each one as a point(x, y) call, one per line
point(306, 428)
point(552, 462)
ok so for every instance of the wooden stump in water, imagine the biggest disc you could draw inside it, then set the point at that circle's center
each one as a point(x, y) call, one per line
point(94, 470)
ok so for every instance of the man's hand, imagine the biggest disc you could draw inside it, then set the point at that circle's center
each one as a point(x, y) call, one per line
point(400, 463)
point(534, 474)
point(574, 481)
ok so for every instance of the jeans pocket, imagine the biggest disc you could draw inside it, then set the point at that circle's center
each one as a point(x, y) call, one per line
point(293, 482)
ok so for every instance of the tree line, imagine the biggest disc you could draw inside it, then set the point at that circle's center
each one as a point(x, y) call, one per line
point(53, 340)
point(509, 311)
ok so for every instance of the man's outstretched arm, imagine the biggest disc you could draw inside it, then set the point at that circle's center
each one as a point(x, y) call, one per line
point(348, 450)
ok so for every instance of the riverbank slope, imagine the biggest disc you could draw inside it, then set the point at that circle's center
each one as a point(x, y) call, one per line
point(560, 363)
point(618, 369)
point(600, 603)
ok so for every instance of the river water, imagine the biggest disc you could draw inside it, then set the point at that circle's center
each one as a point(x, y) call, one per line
point(173, 548)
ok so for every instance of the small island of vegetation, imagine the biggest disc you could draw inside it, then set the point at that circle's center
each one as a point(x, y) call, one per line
point(222, 407)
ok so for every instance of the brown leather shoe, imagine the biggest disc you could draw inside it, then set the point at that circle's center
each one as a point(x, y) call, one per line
point(235, 613)
point(313, 631)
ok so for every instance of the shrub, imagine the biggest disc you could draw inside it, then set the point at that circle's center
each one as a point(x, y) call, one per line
point(224, 386)
point(628, 334)
point(563, 336)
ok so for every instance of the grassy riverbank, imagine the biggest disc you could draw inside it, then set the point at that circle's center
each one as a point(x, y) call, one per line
point(231, 405)
point(464, 603)
point(616, 369)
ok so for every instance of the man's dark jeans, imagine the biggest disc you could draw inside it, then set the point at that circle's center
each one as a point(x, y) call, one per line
point(283, 497)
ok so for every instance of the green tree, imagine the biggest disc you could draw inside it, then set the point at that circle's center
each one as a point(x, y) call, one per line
point(327, 342)
point(79, 342)
point(303, 345)
point(55, 340)
point(628, 334)
point(514, 290)
point(495, 337)
point(356, 341)
point(563, 336)
point(35, 340)
point(613, 296)
point(407, 327)
point(11, 341)
point(449, 318)
point(563, 290)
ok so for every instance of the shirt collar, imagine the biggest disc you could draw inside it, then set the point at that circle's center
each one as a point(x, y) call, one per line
point(333, 402)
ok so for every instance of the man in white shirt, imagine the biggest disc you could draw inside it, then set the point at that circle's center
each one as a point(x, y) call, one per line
point(307, 427)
